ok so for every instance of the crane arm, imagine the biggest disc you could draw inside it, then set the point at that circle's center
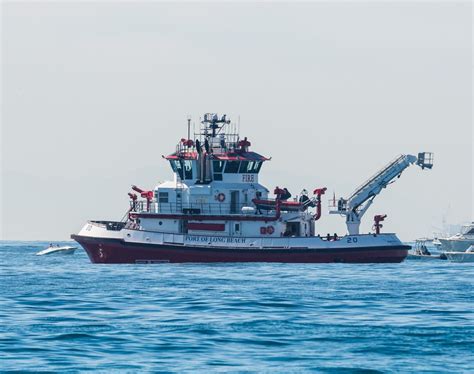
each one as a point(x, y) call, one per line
point(360, 200)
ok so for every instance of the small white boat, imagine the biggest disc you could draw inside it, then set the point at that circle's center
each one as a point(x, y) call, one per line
point(421, 252)
point(467, 256)
point(64, 250)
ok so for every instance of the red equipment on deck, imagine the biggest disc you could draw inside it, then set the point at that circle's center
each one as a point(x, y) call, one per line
point(318, 192)
point(271, 204)
point(377, 225)
point(148, 195)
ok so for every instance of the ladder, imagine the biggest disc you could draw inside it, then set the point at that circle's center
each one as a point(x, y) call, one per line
point(179, 194)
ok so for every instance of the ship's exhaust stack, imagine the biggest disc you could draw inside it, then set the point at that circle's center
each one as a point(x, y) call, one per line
point(207, 171)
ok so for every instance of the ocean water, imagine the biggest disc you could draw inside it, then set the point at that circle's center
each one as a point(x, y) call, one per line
point(62, 314)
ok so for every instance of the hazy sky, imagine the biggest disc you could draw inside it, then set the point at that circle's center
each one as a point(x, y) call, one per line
point(94, 93)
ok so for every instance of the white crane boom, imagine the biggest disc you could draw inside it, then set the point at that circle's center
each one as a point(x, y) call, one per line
point(357, 204)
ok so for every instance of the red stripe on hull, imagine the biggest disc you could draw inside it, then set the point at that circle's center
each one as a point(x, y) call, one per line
point(206, 226)
point(116, 251)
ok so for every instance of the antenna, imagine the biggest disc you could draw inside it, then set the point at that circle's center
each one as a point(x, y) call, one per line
point(200, 129)
point(232, 130)
point(189, 127)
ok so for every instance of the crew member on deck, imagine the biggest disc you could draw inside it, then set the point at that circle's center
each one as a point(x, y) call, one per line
point(424, 250)
point(305, 200)
point(223, 142)
point(285, 195)
point(304, 197)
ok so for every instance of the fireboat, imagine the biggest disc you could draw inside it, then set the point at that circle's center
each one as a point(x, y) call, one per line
point(215, 210)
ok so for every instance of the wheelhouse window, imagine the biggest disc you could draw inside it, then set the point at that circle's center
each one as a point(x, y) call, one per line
point(232, 167)
point(256, 166)
point(188, 169)
point(184, 168)
point(218, 167)
point(250, 167)
point(244, 165)
point(177, 167)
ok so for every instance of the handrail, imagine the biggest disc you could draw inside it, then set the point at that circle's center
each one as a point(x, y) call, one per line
point(197, 208)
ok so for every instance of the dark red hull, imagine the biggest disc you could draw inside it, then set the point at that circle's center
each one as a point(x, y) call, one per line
point(118, 252)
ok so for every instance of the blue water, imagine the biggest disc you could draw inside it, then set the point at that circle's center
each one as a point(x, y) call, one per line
point(62, 313)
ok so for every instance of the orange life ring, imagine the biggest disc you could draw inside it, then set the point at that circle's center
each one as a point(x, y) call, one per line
point(270, 230)
point(220, 197)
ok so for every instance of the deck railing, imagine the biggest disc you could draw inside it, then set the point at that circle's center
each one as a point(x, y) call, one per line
point(199, 208)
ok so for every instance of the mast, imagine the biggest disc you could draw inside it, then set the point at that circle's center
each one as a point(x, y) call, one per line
point(189, 127)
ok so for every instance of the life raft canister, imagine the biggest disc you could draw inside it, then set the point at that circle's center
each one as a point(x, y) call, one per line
point(220, 197)
point(270, 230)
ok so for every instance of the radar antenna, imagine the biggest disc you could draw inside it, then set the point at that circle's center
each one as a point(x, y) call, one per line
point(213, 120)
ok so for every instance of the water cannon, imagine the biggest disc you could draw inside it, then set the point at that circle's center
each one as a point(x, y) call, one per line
point(133, 202)
point(148, 195)
point(318, 192)
point(377, 219)
point(187, 142)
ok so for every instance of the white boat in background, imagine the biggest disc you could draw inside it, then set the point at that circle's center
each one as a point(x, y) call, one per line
point(467, 256)
point(437, 244)
point(459, 242)
point(64, 250)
